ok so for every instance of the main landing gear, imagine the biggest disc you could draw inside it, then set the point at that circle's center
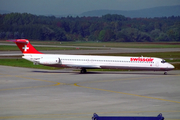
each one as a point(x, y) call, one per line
point(83, 70)
point(165, 73)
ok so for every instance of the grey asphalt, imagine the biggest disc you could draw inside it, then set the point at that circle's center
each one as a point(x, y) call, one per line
point(67, 95)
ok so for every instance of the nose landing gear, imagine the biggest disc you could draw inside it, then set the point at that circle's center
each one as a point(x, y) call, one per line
point(165, 73)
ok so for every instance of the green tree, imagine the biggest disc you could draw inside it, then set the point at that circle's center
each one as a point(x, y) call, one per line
point(101, 36)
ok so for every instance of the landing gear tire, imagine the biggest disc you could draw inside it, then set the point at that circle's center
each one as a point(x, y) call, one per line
point(83, 71)
point(165, 73)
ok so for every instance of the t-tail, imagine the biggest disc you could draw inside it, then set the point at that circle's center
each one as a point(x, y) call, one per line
point(25, 46)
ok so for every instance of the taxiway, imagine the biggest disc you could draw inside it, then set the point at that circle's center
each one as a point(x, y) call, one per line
point(67, 95)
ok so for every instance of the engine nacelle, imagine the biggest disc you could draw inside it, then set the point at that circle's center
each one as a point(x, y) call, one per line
point(49, 61)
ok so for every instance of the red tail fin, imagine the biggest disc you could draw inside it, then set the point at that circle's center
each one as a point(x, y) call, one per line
point(25, 46)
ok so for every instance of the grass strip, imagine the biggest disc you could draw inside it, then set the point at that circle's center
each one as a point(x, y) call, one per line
point(15, 48)
point(126, 45)
point(23, 63)
point(113, 44)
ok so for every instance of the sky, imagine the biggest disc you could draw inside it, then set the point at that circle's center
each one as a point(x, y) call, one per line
point(70, 7)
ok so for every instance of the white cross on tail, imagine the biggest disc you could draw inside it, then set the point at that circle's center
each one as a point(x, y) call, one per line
point(25, 48)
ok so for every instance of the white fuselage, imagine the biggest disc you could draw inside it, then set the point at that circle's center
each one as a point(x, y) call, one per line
point(101, 62)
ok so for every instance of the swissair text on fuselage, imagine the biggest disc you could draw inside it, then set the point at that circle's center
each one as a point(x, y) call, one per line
point(142, 59)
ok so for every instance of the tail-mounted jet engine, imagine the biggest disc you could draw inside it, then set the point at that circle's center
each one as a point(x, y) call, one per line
point(49, 61)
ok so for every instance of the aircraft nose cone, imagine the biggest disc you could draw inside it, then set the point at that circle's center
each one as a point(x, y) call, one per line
point(171, 66)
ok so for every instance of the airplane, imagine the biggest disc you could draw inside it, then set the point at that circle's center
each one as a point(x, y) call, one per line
point(84, 62)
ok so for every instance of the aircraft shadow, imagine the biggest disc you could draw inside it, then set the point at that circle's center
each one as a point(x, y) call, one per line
point(128, 73)
point(39, 71)
point(104, 72)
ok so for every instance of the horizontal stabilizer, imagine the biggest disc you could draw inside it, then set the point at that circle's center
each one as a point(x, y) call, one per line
point(19, 41)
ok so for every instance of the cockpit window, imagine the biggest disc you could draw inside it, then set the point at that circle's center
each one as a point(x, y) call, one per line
point(163, 61)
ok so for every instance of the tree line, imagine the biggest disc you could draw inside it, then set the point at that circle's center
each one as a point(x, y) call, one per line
point(108, 28)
